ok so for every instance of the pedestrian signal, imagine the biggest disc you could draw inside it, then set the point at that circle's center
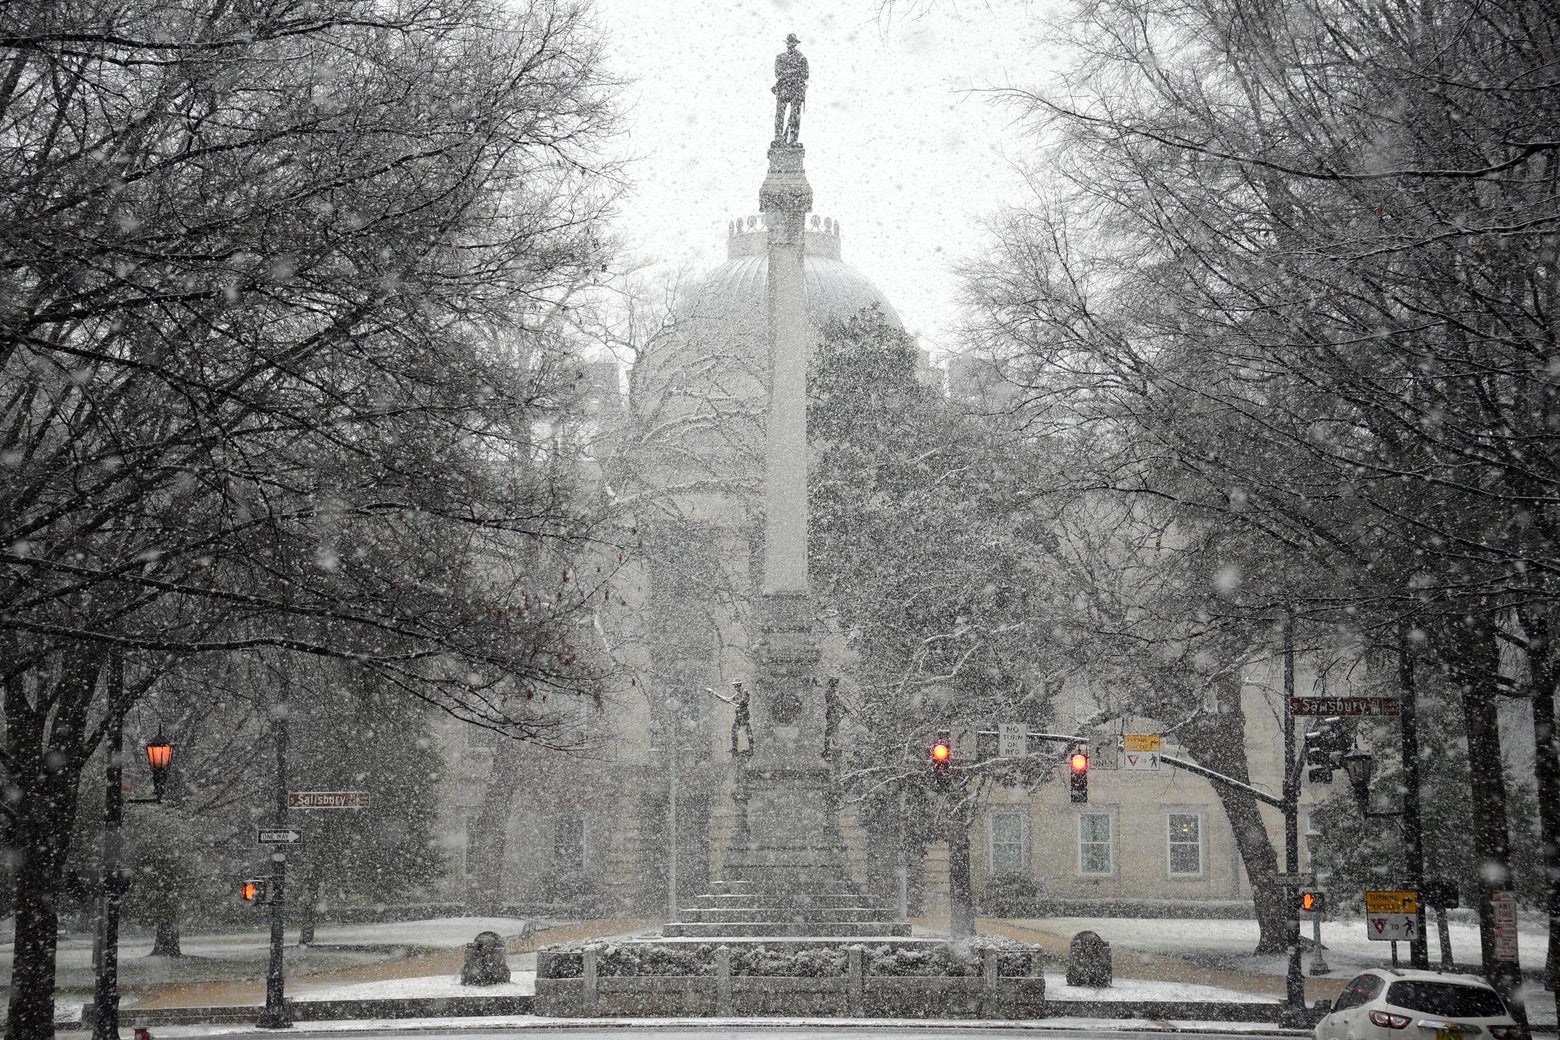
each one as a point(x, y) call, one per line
point(252, 891)
point(1309, 902)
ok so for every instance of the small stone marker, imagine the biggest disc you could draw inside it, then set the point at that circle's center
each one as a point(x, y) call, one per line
point(485, 963)
point(1088, 961)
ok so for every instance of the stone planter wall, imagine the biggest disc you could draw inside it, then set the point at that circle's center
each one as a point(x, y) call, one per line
point(856, 994)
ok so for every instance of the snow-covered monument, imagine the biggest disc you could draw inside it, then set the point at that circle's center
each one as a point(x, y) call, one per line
point(680, 798)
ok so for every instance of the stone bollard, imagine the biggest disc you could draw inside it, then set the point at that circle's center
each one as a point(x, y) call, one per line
point(1088, 961)
point(855, 981)
point(485, 963)
point(588, 994)
point(723, 1000)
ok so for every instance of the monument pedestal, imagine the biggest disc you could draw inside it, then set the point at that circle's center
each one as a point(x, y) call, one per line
point(786, 872)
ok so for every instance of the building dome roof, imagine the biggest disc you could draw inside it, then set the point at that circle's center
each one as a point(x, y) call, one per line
point(733, 293)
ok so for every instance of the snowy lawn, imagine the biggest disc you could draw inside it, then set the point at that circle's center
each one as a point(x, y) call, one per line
point(1228, 944)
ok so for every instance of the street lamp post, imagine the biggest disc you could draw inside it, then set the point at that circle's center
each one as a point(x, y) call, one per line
point(159, 758)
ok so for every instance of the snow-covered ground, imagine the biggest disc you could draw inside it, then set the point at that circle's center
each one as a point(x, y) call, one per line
point(1229, 943)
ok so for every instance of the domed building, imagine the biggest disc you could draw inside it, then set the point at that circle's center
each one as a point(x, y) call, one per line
point(533, 829)
point(699, 399)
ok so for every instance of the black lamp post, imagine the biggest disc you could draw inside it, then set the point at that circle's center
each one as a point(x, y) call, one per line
point(159, 757)
point(1360, 766)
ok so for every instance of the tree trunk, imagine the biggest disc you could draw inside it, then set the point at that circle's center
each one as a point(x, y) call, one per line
point(1546, 773)
point(961, 894)
point(492, 822)
point(309, 905)
point(166, 939)
point(44, 743)
point(1219, 742)
point(1473, 654)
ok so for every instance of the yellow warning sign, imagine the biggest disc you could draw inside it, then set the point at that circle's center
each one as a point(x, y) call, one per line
point(1141, 742)
point(1391, 902)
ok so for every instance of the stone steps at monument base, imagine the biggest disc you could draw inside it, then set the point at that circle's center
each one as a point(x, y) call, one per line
point(799, 929)
point(819, 915)
point(716, 901)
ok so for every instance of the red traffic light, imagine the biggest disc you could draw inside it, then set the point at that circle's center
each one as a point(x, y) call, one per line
point(941, 753)
point(1078, 781)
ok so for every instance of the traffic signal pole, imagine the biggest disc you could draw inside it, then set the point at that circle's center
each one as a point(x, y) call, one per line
point(1413, 827)
point(275, 1014)
point(1294, 977)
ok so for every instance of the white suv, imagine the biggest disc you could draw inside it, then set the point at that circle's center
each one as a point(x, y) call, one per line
point(1389, 1004)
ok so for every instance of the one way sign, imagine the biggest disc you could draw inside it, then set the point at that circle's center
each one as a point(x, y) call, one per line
point(278, 836)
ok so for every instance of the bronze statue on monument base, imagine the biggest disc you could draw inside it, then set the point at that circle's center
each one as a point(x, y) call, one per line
point(790, 91)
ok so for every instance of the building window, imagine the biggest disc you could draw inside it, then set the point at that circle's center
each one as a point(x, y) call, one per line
point(569, 843)
point(1007, 843)
point(1095, 848)
point(468, 863)
point(1185, 831)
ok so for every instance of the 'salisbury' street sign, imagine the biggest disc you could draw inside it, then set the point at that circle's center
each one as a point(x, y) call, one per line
point(1384, 707)
point(327, 799)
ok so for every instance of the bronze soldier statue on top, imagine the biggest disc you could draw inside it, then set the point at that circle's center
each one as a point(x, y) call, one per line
point(790, 91)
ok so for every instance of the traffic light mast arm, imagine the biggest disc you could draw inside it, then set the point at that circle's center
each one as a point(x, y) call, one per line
point(1228, 781)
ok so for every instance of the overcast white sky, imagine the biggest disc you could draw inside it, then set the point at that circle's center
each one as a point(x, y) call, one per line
point(897, 149)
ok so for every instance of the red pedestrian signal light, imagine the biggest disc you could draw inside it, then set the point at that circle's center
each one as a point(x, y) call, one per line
point(1078, 782)
point(1308, 902)
point(252, 891)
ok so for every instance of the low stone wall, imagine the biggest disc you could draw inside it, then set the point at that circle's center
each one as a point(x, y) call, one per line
point(987, 995)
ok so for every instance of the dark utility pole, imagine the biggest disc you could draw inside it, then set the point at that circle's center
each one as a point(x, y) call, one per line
point(1294, 978)
point(275, 1014)
point(1413, 827)
point(105, 997)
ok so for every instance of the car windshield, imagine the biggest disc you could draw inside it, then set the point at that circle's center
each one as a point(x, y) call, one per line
point(1446, 998)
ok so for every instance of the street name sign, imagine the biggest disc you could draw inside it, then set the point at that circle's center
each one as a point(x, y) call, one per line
point(278, 836)
point(1504, 905)
point(1374, 707)
point(327, 799)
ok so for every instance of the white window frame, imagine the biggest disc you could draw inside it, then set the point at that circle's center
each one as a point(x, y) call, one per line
point(1171, 843)
point(1109, 843)
point(991, 840)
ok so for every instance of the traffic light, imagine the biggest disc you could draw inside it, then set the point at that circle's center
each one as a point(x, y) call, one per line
point(1324, 748)
point(1078, 780)
point(1309, 901)
point(942, 758)
point(252, 891)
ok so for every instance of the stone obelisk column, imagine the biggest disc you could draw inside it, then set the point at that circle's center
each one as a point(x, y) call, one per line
point(793, 837)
